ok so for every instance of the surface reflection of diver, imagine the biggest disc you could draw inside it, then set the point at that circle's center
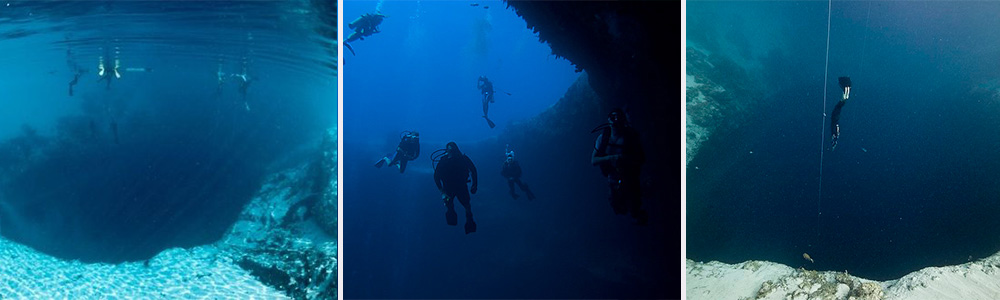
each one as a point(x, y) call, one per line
point(486, 88)
point(452, 171)
point(364, 26)
point(107, 72)
point(407, 150)
point(76, 78)
point(619, 153)
point(512, 172)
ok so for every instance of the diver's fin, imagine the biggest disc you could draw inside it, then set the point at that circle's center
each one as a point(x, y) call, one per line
point(470, 226)
point(451, 217)
point(489, 122)
point(348, 46)
point(380, 163)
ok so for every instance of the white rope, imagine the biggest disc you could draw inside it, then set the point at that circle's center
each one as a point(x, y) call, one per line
point(822, 134)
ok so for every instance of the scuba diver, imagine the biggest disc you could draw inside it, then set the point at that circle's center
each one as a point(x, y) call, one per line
point(512, 172)
point(845, 84)
point(364, 26)
point(451, 174)
point(486, 88)
point(407, 150)
point(619, 153)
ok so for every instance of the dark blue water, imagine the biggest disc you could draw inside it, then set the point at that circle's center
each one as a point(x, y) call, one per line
point(166, 156)
point(420, 74)
point(912, 182)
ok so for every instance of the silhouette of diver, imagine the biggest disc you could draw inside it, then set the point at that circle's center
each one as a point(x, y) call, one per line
point(407, 150)
point(845, 84)
point(512, 172)
point(620, 155)
point(486, 88)
point(451, 174)
point(364, 26)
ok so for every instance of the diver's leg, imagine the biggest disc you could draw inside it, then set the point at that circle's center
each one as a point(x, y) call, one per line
point(450, 216)
point(402, 165)
point(463, 198)
point(527, 191)
point(510, 184)
point(486, 106)
point(617, 198)
point(633, 197)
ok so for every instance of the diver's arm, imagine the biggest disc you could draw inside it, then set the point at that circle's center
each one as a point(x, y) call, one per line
point(597, 160)
point(416, 150)
point(437, 180)
point(475, 175)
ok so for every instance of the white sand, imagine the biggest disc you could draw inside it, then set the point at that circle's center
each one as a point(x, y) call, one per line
point(768, 280)
point(197, 273)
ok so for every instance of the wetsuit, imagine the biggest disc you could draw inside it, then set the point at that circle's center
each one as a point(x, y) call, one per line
point(512, 171)
point(623, 175)
point(451, 176)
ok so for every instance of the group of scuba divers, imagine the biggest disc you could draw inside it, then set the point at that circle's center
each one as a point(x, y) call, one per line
point(618, 152)
point(109, 68)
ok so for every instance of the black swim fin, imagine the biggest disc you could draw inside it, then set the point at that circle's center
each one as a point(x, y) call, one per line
point(489, 122)
point(470, 226)
point(348, 46)
point(451, 217)
point(380, 163)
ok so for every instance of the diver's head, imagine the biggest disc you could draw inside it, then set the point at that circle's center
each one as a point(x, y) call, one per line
point(510, 156)
point(617, 118)
point(452, 149)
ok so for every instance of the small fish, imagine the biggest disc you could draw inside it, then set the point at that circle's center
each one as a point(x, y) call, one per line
point(806, 256)
point(863, 149)
point(486, 7)
point(474, 4)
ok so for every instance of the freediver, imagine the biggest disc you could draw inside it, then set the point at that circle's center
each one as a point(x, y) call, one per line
point(451, 174)
point(512, 172)
point(619, 153)
point(407, 150)
point(845, 85)
point(486, 88)
point(364, 26)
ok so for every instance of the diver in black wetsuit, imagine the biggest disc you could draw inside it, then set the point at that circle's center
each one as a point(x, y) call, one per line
point(451, 175)
point(407, 150)
point(486, 88)
point(620, 155)
point(512, 172)
point(364, 26)
point(845, 84)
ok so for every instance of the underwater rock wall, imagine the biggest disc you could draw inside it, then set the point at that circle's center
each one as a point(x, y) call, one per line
point(619, 44)
point(768, 280)
point(719, 94)
point(286, 236)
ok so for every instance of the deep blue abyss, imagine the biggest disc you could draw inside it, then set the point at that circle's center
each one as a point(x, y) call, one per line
point(913, 181)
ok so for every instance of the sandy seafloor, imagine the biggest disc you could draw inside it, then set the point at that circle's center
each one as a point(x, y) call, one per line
point(292, 252)
point(198, 273)
point(767, 280)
